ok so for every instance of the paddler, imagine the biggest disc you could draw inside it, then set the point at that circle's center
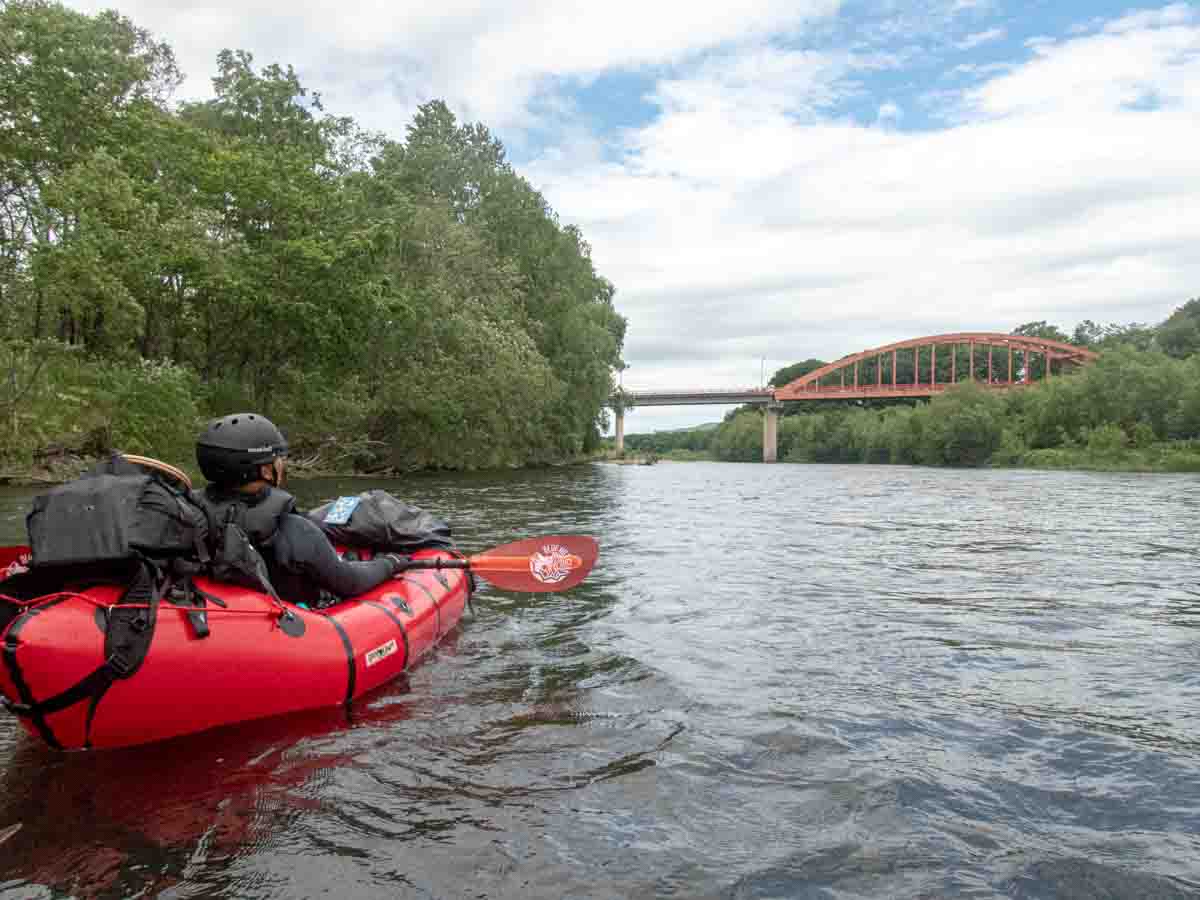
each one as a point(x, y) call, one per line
point(244, 458)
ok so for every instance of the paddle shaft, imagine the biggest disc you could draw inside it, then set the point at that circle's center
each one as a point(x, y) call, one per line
point(493, 563)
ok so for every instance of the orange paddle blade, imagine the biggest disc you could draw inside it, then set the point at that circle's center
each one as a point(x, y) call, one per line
point(551, 563)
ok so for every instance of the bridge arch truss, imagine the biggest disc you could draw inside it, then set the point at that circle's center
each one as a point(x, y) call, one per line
point(911, 368)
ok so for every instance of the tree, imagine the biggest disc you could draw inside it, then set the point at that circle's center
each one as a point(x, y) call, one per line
point(1041, 329)
point(567, 308)
point(962, 427)
point(1099, 337)
point(788, 374)
point(1179, 335)
point(299, 285)
point(740, 438)
point(71, 85)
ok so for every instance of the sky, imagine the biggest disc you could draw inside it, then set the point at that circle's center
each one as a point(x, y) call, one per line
point(772, 180)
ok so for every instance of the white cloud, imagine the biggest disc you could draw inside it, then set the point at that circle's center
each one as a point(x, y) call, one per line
point(981, 37)
point(740, 224)
point(1099, 73)
point(377, 59)
point(979, 68)
point(889, 112)
point(1175, 14)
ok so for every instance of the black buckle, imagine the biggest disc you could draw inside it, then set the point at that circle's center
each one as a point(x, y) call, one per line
point(119, 664)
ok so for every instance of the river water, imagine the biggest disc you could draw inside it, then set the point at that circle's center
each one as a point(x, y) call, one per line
point(779, 681)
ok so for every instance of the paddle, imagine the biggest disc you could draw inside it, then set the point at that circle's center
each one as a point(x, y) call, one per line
point(551, 563)
point(538, 565)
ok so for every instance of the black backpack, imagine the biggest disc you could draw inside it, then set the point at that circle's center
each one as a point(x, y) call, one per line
point(378, 520)
point(116, 512)
point(118, 516)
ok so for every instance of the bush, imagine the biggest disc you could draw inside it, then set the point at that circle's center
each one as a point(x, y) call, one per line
point(1143, 435)
point(1012, 449)
point(88, 406)
point(1107, 439)
point(963, 427)
point(740, 439)
point(151, 410)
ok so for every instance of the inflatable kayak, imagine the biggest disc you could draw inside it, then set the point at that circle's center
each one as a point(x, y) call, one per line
point(233, 655)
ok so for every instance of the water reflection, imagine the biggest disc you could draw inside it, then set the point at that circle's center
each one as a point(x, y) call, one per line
point(90, 822)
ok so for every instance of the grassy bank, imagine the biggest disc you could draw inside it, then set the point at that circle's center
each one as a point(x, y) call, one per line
point(1164, 457)
point(1168, 456)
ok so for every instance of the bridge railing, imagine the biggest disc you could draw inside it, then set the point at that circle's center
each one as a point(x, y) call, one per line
point(924, 387)
point(730, 392)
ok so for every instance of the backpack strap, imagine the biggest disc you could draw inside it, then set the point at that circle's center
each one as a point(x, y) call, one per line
point(126, 643)
point(185, 593)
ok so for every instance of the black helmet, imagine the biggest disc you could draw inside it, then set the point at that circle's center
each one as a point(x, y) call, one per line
point(232, 448)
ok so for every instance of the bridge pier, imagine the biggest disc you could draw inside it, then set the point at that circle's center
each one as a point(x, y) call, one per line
point(771, 432)
point(620, 431)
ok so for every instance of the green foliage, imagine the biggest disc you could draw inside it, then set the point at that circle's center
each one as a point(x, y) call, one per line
point(741, 438)
point(1103, 337)
point(1107, 438)
point(1176, 456)
point(1184, 420)
point(146, 407)
point(1179, 335)
point(1012, 449)
point(962, 427)
point(91, 406)
point(1043, 330)
point(788, 374)
point(391, 304)
point(694, 442)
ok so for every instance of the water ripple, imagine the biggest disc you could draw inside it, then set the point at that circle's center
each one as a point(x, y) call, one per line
point(790, 681)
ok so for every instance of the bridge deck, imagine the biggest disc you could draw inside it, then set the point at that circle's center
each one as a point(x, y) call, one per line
point(700, 398)
point(812, 392)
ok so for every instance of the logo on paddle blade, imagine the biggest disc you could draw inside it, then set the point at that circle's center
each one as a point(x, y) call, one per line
point(18, 566)
point(553, 564)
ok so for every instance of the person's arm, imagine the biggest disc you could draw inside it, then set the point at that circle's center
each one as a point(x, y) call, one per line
point(301, 547)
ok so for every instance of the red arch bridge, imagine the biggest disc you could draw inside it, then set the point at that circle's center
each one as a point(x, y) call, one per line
point(918, 367)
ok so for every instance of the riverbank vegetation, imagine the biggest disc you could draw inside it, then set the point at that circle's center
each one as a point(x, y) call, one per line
point(1136, 408)
point(392, 304)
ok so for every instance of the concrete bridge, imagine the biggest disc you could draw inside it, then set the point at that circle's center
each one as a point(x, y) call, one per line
point(908, 368)
point(764, 396)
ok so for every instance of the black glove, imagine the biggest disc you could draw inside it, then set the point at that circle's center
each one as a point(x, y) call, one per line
point(400, 562)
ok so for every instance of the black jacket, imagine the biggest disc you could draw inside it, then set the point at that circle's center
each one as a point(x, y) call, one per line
point(301, 561)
